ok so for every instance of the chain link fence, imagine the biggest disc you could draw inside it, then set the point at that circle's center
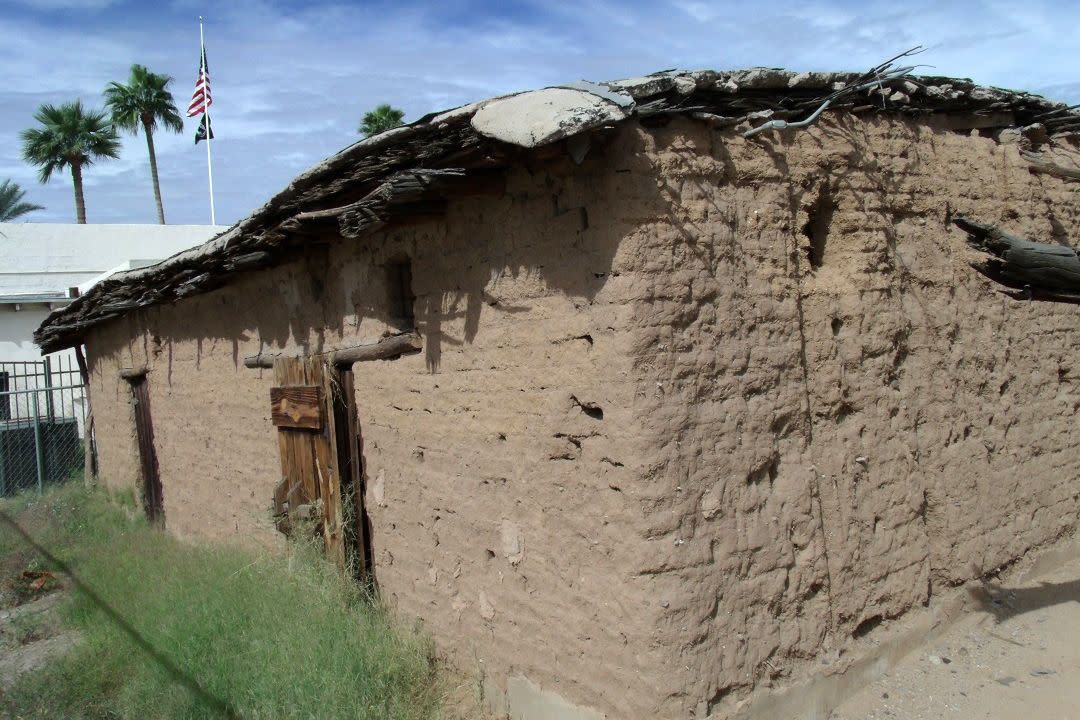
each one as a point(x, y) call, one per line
point(42, 423)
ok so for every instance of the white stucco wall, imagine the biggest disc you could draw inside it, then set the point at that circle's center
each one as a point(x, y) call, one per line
point(42, 259)
point(17, 330)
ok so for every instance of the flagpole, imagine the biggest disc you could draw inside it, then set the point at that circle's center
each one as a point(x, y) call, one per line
point(206, 119)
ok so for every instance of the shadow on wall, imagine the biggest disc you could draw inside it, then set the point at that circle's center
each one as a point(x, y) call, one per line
point(555, 230)
point(437, 308)
point(838, 161)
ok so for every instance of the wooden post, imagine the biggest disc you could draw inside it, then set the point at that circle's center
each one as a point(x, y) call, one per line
point(89, 443)
point(50, 412)
point(350, 452)
point(39, 451)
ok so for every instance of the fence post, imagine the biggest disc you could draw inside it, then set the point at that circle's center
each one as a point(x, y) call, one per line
point(3, 458)
point(5, 397)
point(39, 451)
point(49, 412)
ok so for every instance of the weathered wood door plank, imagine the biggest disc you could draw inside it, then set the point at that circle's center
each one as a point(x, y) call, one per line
point(310, 488)
point(296, 406)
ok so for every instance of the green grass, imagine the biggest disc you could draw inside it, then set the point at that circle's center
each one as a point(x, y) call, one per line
point(273, 636)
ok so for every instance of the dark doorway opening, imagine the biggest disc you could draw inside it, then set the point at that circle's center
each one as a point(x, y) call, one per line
point(148, 463)
point(400, 298)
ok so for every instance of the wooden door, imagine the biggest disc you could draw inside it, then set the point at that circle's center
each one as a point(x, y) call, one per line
point(148, 463)
point(319, 468)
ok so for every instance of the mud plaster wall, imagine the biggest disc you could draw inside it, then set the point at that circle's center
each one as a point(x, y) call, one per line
point(499, 460)
point(847, 417)
point(716, 528)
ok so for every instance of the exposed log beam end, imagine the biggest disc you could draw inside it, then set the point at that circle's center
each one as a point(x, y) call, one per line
point(385, 349)
point(1041, 166)
point(1038, 271)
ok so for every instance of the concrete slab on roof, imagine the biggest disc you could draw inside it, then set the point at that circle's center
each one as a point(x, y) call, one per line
point(536, 118)
point(623, 100)
point(646, 85)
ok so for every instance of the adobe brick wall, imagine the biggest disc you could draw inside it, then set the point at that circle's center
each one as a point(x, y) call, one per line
point(786, 454)
point(835, 444)
point(501, 461)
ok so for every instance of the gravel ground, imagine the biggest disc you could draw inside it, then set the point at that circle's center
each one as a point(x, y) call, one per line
point(1019, 658)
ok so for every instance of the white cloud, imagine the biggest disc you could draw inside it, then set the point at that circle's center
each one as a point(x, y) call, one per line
point(47, 5)
point(290, 83)
point(700, 11)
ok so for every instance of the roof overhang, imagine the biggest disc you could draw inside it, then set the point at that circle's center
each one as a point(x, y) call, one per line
point(407, 169)
point(35, 299)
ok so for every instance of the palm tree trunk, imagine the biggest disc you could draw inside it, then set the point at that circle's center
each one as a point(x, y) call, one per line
point(80, 203)
point(153, 171)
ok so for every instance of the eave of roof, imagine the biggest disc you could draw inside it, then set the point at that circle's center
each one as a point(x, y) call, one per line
point(34, 299)
point(367, 183)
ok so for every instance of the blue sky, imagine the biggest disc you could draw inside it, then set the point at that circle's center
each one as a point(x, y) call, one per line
point(292, 79)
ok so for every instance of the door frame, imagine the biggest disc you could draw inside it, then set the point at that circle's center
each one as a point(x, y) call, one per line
point(149, 471)
point(352, 547)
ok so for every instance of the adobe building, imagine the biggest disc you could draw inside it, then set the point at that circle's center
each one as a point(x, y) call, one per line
point(650, 398)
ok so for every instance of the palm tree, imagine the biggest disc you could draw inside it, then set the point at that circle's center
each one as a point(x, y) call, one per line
point(69, 137)
point(145, 101)
point(382, 118)
point(11, 204)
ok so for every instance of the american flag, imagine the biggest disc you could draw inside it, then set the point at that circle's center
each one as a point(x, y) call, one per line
point(200, 99)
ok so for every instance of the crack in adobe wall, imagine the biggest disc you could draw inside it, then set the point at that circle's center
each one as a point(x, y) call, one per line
point(815, 230)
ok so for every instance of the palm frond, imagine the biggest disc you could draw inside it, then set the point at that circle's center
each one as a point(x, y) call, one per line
point(11, 204)
point(144, 101)
point(68, 134)
point(384, 117)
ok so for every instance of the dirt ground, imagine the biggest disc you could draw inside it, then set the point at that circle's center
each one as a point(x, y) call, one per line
point(1016, 659)
point(1019, 659)
point(30, 637)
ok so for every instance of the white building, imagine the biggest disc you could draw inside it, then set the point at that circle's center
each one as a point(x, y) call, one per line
point(40, 264)
point(42, 267)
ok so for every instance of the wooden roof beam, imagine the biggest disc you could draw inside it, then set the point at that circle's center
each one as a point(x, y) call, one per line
point(387, 348)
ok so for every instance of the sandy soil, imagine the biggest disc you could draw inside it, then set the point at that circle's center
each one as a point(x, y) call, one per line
point(1019, 658)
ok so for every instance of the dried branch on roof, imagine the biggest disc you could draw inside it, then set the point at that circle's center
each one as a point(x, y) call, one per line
point(375, 209)
point(876, 78)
